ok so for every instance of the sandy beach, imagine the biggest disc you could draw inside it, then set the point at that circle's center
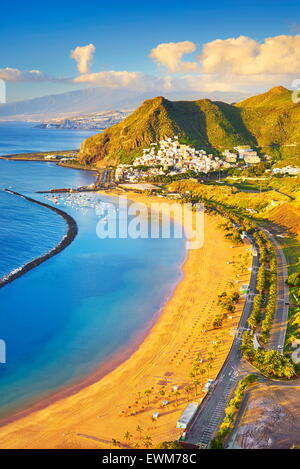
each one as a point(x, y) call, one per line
point(117, 403)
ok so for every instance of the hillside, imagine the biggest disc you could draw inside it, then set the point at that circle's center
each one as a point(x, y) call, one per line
point(268, 120)
point(287, 215)
point(204, 123)
point(273, 119)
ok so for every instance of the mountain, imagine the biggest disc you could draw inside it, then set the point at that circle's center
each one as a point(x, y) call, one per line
point(71, 103)
point(267, 120)
point(89, 100)
point(274, 119)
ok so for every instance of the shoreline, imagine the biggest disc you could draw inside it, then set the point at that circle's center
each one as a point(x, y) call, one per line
point(43, 160)
point(152, 350)
point(115, 360)
point(67, 239)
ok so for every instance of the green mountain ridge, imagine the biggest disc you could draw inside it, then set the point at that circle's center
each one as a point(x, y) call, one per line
point(269, 120)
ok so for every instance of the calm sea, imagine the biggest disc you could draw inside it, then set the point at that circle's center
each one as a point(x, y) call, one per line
point(65, 318)
point(22, 137)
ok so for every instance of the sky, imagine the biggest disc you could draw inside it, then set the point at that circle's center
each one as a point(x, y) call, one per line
point(58, 46)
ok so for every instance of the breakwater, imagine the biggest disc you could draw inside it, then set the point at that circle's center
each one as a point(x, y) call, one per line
point(67, 239)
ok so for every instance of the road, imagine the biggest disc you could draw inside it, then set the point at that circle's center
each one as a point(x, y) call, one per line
point(212, 410)
point(279, 324)
point(105, 178)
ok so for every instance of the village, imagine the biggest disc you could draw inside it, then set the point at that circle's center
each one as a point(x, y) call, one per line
point(169, 157)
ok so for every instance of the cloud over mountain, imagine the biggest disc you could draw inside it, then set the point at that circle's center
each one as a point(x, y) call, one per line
point(170, 56)
point(245, 56)
point(83, 55)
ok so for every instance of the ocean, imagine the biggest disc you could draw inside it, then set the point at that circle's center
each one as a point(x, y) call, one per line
point(25, 137)
point(66, 318)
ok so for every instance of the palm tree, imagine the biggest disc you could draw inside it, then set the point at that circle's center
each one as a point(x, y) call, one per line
point(147, 441)
point(188, 390)
point(176, 394)
point(147, 393)
point(208, 367)
point(114, 442)
point(127, 436)
point(139, 430)
point(202, 373)
point(196, 383)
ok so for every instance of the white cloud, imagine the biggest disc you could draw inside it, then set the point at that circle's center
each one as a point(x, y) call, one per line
point(237, 64)
point(170, 54)
point(244, 56)
point(110, 78)
point(83, 55)
point(13, 74)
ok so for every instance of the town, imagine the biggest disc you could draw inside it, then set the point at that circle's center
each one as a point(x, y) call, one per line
point(169, 157)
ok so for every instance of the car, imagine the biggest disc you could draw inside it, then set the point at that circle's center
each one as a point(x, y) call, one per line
point(208, 385)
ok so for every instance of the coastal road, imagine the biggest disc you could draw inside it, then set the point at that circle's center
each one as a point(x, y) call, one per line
point(212, 410)
point(280, 320)
point(105, 178)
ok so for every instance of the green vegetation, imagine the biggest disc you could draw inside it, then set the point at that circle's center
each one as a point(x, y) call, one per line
point(231, 411)
point(269, 121)
point(226, 196)
point(270, 362)
point(291, 248)
point(226, 305)
point(263, 310)
point(294, 279)
point(169, 445)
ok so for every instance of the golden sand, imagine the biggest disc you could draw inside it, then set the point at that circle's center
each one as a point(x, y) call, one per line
point(116, 404)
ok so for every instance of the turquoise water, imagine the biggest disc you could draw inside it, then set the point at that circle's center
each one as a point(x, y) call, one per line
point(65, 318)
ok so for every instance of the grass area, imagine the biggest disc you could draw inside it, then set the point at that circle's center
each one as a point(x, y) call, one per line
point(228, 195)
point(231, 411)
point(250, 186)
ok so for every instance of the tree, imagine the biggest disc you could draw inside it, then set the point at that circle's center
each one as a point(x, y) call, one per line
point(147, 441)
point(208, 367)
point(294, 279)
point(169, 445)
point(218, 321)
point(188, 390)
point(139, 430)
point(127, 436)
point(147, 393)
point(176, 394)
point(114, 442)
point(202, 373)
point(196, 383)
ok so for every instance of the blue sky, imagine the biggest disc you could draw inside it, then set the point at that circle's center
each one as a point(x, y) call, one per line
point(40, 35)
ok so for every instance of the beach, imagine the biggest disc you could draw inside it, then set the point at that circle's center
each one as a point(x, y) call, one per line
point(117, 403)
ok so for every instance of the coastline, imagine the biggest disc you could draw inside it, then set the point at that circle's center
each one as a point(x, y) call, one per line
point(67, 239)
point(145, 354)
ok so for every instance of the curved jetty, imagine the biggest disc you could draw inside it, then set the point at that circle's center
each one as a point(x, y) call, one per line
point(65, 241)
